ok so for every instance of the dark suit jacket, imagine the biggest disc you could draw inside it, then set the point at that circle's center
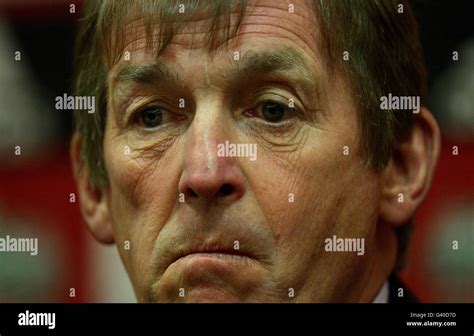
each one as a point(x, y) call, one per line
point(396, 289)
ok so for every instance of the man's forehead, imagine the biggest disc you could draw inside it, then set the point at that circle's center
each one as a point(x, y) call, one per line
point(294, 22)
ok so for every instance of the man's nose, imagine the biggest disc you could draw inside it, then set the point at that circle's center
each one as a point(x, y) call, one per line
point(208, 177)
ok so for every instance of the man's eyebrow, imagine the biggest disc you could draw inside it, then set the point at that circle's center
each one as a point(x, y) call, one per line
point(254, 63)
point(151, 73)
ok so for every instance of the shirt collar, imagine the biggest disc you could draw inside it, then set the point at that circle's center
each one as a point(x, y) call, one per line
point(382, 296)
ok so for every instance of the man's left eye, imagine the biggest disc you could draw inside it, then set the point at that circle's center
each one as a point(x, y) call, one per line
point(151, 117)
point(272, 112)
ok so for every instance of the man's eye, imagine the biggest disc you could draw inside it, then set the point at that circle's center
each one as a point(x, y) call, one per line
point(151, 117)
point(272, 112)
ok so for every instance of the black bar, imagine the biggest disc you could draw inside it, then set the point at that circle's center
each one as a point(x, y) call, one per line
point(136, 318)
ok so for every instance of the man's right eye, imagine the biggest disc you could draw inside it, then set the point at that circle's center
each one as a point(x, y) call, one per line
point(150, 117)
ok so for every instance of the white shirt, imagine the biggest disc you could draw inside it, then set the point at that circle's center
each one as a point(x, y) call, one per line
point(382, 296)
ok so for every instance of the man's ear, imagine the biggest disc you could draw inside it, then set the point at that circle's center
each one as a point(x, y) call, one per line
point(407, 177)
point(92, 200)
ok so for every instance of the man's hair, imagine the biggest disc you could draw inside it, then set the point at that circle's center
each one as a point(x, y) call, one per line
point(380, 36)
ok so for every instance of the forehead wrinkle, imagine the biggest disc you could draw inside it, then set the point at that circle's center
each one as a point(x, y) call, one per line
point(163, 23)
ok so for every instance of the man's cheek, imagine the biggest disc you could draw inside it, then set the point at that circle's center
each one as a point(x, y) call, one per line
point(301, 229)
point(142, 196)
point(137, 174)
point(141, 200)
point(290, 202)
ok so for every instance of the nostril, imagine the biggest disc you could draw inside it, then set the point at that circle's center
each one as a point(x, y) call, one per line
point(226, 190)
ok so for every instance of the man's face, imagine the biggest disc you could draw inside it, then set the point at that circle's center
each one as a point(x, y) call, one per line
point(194, 225)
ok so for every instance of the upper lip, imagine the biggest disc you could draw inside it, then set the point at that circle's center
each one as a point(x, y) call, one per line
point(214, 249)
